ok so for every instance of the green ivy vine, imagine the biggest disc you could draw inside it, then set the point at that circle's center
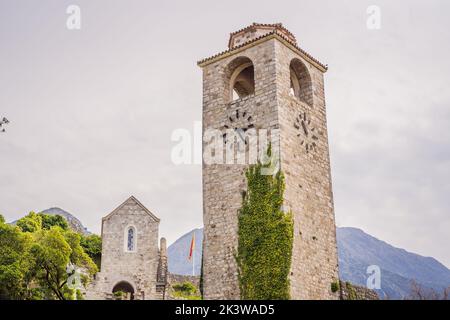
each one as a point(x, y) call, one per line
point(265, 237)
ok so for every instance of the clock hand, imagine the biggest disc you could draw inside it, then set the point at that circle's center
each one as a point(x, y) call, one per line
point(240, 131)
point(304, 128)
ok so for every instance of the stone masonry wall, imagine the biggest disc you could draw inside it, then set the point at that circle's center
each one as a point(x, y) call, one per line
point(351, 292)
point(173, 279)
point(223, 183)
point(308, 184)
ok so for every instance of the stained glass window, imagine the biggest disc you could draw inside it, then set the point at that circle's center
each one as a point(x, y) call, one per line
point(131, 236)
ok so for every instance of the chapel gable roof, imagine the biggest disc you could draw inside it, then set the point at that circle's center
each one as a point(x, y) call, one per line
point(133, 201)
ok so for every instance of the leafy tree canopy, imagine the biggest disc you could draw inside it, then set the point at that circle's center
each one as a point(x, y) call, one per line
point(49, 220)
point(35, 256)
point(30, 223)
point(53, 250)
point(92, 245)
point(15, 263)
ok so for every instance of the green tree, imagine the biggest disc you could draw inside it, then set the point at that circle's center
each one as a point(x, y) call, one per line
point(30, 223)
point(265, 237)
point(53, 250)
point(78, 256)
point(50, 220)
point(92, 245)
point(34, 259)
point(15, 263)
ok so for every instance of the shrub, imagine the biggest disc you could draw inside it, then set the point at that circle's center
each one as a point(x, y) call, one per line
point(334, 286)
point(185, 290)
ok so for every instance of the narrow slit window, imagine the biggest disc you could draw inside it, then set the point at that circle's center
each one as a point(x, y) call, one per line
point(131, 239)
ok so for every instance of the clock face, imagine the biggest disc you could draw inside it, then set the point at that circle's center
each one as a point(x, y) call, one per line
point(240, 121)
point(308, 134)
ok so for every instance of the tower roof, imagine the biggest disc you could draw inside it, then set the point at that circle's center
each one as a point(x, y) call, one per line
point(256, 30)
point(259, 32)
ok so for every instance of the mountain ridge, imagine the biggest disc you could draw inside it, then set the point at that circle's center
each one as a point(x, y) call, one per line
point(73, 222)
point(356, 250)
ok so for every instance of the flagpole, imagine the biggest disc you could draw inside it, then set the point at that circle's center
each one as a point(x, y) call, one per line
point(193, 261)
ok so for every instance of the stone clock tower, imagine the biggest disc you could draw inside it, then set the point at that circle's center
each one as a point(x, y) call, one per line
point(266, 81)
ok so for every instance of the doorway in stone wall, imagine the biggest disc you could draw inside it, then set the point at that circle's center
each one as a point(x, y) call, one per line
point(123, 291)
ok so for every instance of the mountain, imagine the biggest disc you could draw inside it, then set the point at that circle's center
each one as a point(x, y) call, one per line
point(178, 253)
point(357, 250)
point(73, 222)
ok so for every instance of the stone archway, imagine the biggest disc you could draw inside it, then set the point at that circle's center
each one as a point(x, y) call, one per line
point(301, 84)
point(123, 290)
point(240, 75)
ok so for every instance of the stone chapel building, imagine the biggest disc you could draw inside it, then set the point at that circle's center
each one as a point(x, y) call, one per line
point(131, 261)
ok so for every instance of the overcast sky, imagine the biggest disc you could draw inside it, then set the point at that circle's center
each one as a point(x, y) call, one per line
point(92, 110)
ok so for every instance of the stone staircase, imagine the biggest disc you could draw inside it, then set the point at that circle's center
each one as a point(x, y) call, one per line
point(160, 291)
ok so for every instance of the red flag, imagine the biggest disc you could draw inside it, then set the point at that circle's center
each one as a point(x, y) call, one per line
point(192, 248)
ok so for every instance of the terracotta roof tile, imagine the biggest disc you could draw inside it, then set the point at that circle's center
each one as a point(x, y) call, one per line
point(276, 33)
point(256, 24)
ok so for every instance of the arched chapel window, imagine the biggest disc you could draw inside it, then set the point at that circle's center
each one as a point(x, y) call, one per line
point(131, 239)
